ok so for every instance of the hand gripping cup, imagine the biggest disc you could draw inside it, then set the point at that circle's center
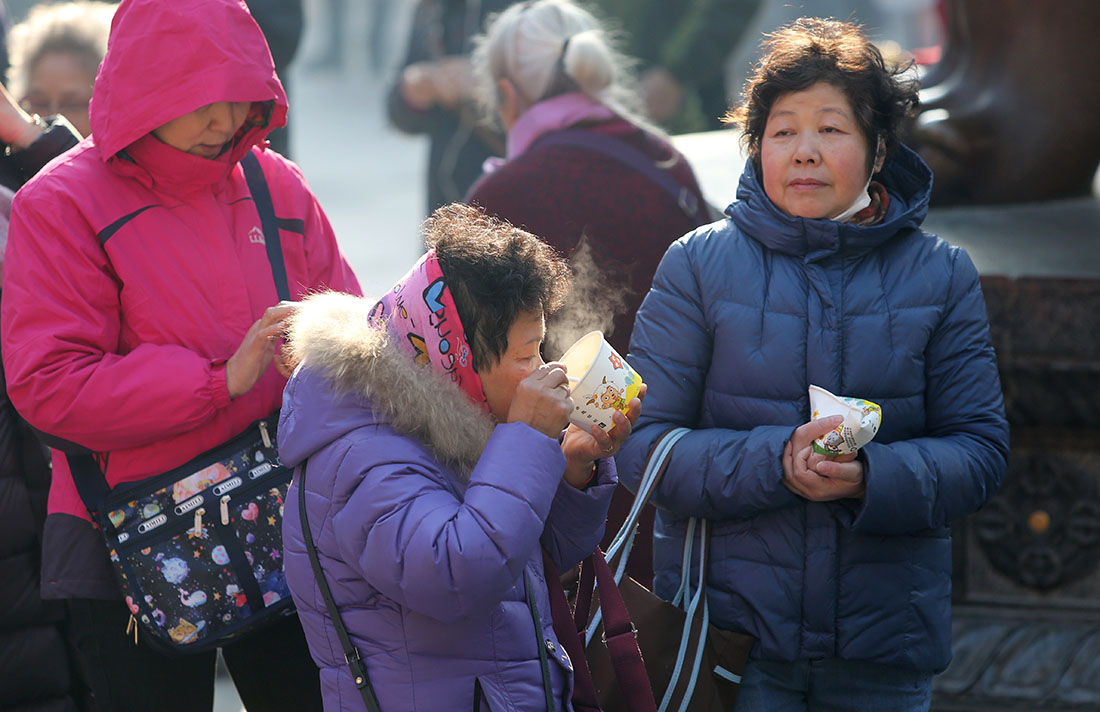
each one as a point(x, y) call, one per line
point(601, 382)
point(861, 421)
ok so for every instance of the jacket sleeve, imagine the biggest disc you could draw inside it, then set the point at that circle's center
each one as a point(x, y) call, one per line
point(61, 324)
point(717, 473)
point(440, 555)
point(931, 481)
point(577, 517)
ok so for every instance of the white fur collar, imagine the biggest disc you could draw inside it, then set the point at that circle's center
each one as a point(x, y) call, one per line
point(331, 332)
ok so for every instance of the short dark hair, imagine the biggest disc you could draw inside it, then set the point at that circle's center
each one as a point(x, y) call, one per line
point(495, 272)
point(812, 50)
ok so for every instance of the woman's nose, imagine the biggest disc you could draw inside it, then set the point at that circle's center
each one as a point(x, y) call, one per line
point(806, 150)
point(220, 115)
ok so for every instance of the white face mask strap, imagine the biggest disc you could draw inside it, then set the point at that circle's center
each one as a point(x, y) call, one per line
point(864, 198)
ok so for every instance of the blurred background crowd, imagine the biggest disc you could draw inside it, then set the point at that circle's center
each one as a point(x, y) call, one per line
point(373, 159)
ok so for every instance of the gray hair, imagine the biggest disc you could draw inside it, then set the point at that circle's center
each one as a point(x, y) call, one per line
point(551, 47)
point(76, 28)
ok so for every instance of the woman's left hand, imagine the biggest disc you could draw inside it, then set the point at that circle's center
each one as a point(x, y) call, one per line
point(583, 448)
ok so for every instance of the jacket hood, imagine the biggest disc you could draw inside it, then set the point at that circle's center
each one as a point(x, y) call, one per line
point(350, 375)
point(907, 180)
point(166, 59)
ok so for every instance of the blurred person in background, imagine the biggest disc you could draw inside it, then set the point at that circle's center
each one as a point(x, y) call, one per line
point(34, 664)
point(55, 54)
point(281, 23)
point(611, 197)
point(141, 320)
point(683, 49)
point(434, 95)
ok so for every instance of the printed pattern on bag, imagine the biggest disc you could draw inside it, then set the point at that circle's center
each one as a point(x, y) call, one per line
point(142, 515)
point(256, 521)
point(183, 547)
point(186, 586)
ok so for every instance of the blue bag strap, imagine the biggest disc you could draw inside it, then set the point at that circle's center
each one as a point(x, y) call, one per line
point(633, 158)
point(261, 196)
point(91, 484)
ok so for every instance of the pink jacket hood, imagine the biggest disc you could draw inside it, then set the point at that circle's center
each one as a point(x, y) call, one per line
point(166, 59)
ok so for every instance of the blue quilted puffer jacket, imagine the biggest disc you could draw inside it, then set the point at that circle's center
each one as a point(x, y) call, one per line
point(745, 314)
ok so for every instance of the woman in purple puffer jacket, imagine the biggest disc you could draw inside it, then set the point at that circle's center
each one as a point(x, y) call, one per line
point(439, 466)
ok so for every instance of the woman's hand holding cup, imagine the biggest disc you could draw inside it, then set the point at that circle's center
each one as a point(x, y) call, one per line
point(583, 447)
point(542, 400)
point(257, 349)
point(820, 478)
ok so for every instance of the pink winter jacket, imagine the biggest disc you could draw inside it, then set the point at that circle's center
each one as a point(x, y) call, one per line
point(133, 269)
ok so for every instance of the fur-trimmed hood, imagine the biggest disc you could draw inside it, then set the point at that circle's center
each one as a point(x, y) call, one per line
point(351, 375)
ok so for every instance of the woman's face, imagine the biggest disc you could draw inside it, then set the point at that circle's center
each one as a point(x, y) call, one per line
point(813, 154)
point(60, 83)
point(519, 361)
point(205, 131)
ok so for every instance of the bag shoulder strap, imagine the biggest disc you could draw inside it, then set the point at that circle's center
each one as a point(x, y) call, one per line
point(635, 159)
point(351, 653)
point(91, 484)
point(261, 195)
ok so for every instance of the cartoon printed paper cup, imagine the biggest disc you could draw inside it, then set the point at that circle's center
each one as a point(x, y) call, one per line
point(861, 421)
point(601, 381)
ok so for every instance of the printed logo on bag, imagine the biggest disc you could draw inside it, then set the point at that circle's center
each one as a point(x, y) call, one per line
point(256, 235)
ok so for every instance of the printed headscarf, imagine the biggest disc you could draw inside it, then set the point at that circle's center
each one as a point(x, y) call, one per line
point(421, 314)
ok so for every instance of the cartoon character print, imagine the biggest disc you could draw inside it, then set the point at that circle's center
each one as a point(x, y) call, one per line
point(174, 570)
point(190, 486)
point(258, 525)
point(610, 398)
point(126, 519)
point(177, 584)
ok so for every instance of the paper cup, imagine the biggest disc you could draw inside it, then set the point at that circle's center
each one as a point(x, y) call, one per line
point(601, 381)
point(861, 421)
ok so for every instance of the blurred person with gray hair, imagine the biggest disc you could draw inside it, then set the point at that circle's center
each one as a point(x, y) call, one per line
point(55, 54)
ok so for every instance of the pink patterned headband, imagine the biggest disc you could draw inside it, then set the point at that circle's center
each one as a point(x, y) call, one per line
point(421, 313)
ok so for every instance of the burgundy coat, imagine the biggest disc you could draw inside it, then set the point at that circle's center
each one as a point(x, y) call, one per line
point(560, 193)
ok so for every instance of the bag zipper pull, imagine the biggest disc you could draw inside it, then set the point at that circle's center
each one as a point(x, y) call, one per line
point(225, 509)
point(264, 434)
point(198, 520)
point(132, 625)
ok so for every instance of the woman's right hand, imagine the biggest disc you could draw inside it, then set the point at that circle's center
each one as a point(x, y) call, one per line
point(799, 475)
point(254, 355)
point(542, 400)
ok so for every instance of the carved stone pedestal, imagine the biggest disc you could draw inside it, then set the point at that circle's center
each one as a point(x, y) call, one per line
point(1027, 567)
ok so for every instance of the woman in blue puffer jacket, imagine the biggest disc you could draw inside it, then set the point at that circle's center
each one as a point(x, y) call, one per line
point(822, 276)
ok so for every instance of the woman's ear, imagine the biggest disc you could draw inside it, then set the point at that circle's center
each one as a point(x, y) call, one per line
point(880, 155)
point(507, 103)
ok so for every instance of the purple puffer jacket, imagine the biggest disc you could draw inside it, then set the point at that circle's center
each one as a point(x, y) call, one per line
point(428, 522)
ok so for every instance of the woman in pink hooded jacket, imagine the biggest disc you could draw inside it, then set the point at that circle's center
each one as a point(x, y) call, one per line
point(140, 317)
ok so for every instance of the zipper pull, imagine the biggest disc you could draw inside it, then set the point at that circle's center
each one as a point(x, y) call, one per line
point(198, 520)
point(225, 509)
point(132, 625)
point(264, 434)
